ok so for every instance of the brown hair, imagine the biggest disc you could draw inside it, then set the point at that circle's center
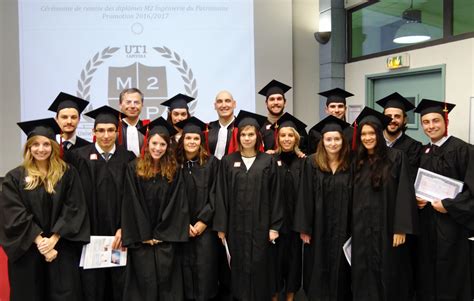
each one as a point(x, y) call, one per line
point(166, 166)
point(181, 153)
point(131, 91)
point(56, 167)
point(257, 132)
point(169, 115)
point(321, 157)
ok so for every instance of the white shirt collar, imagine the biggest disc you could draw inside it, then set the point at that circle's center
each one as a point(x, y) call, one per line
point(129, 124)
point(101, 151)
point(391, 143)
point(226, 126)
point(441, 141)
point(72, 140)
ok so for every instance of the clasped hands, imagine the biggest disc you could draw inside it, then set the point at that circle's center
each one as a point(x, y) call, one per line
point(46, 246)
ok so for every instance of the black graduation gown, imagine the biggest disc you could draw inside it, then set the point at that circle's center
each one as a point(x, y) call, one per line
point(444, 262)
point(248, 205)
point(412, 149)
point(268, 137)
point(79, 143)
point(287, 250)
point(153, 209)
point(380, 271)
point(103, 183)
point(213, 135)
point(323, 211)
point(124, 134)
point(199, 254)
point(314, 137)
point(27, 213)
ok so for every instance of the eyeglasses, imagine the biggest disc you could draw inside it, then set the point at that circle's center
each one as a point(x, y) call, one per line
point(103, 131)
point(134, 102)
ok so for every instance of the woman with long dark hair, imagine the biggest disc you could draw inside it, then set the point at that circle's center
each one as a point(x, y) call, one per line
point(383, 213)
point(287, 250)
point(43, 220)
point(323, 214)
point(153, 219)
point(248, 210)
point(178, 110)
point(198, 173)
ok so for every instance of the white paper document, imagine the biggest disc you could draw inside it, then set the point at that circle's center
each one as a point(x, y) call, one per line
point(431, 186)
point(99, 254)
point(227, 252)
point(347, 248)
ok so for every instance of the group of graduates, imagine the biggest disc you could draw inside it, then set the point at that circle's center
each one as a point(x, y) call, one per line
point(247, 207)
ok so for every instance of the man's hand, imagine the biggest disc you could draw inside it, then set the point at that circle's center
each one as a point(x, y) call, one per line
point(47, 244)
point(398, 239)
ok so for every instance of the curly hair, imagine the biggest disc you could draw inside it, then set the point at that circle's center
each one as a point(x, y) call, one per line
point(56, 167)
point(166, 165)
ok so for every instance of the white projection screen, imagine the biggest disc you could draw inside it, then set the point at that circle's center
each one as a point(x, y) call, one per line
point(95, 49)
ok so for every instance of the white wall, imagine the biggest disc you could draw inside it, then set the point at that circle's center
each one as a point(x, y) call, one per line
point(459, 60)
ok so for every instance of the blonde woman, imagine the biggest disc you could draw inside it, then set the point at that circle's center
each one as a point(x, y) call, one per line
point(44, 219)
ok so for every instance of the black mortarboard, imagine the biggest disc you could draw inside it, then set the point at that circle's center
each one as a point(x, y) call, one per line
point(192, 125)
point(395, 100)
point(274, 87)
point(179, 101)
point(336, 95)
point(248, 118)
point(106, 114)
point(288, 120)
point(331, 124)
point(158, 126)
point(374, 116)
point(47, 127)
point(432, 106)
point(64, 100)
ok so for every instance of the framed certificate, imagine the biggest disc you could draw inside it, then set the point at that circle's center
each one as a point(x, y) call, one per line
point(431, 186)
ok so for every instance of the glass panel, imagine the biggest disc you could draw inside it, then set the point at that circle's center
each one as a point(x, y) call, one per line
point(463, 16)
point(375, 27)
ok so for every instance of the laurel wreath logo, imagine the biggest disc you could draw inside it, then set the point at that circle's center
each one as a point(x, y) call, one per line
point(84, 82)
point(190, 85)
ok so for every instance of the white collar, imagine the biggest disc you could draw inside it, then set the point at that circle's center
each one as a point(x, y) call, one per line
point(229, 123)
point(129, 124)
point(101, 151)
point(441, 141)
point(72, 140)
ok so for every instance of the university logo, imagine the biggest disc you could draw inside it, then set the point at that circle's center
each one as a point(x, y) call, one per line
point(153, 70)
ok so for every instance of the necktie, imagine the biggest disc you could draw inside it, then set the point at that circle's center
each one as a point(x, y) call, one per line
point(66, 144)
point(106, 156)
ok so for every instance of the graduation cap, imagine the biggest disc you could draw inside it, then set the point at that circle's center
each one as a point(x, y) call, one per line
point(243, 119)
point(288, 120)
point(336, 95)
point(179, 101)
point(369, 115)
point(157, 126)
point(274, 87)
point(331, 124)
point(106, 114)
point(395, 100)
point(47, 127)
point(192, 125)
point(432, 106)
point(66, 101)
point(248, 118)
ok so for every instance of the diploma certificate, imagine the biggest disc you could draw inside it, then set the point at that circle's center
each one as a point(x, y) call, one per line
point(431, 186)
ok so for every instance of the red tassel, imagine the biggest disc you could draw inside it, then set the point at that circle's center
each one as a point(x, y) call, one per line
point(446, 119)
point(120, 134)
point(206, 139)
point(145, 122)
point(61, 148)
point(145, 142)
point(94, 139)
point(262, 147)
point(354, 136)
point(275, 137)
point(233, 144)
point(4, 283)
